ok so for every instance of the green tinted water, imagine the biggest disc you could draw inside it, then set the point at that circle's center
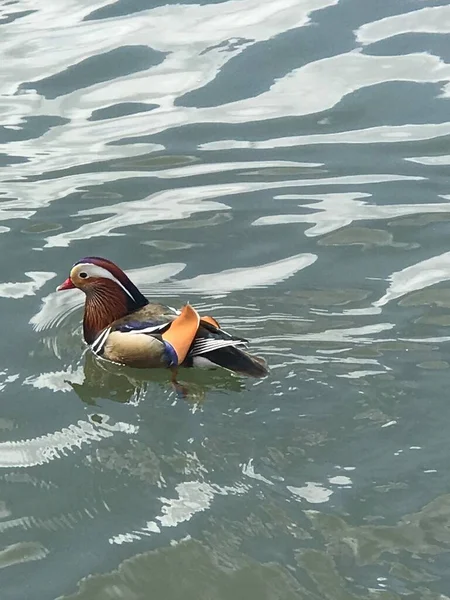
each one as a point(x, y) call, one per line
point(283, 166)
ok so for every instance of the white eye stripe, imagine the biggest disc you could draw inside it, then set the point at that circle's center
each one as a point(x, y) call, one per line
point(96, 271)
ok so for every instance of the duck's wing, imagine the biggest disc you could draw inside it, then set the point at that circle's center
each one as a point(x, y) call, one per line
point(156, 314)
point(125, 330)
point(174, 330)
point(210, 337)
point(152, 319)
point(191, 334)
point(214, 347)
point(182, 337)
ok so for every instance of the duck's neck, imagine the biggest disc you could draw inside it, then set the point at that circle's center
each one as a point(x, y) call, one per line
point(105, 304)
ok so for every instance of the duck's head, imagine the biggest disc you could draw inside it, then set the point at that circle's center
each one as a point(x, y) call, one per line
point(110, 294)
point(93, 273)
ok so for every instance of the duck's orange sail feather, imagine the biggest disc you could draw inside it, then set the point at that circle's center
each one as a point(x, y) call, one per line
point(211, 321)
point(182, 331)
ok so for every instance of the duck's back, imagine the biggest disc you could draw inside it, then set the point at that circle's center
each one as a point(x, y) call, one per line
point(210, 347)
point(151, 314)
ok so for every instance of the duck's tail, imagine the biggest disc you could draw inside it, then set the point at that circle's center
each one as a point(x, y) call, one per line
point(239, 361)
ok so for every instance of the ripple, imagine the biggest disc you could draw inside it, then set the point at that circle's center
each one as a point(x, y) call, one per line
point(290, 158)
point(223, 574)
point(176, 204)
point(249, 470)
point(193, 497)
point(416, 277)
point(167, 205)
point(57, 307)
point(324, 83)
point(248, 277)
point(189, 37)
point(431, 19)
point(363, 236)
point(336, 210)
point(182, 203)
point(25, 288)
point(392, 134)
point(22, 552)
point(431, 160)
point(121, 109)
point(94, 70)
point(418, 533)
point(48, 447)
point(313, 493)
point(57, 381)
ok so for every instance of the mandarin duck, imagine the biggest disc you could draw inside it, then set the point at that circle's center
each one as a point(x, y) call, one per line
point(120, 325)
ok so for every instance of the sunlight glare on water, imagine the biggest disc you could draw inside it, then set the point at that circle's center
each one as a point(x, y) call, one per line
point(282, 166)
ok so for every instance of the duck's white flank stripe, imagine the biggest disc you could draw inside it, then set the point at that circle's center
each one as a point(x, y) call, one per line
point(100, 340)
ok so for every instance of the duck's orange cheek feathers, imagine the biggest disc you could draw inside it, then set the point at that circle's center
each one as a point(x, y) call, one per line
point(67, 285)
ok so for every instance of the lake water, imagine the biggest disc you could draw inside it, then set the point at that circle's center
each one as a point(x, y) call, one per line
point(284, 166)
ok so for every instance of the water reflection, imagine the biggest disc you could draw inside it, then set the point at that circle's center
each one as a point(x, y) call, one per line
point(48, 447)
point(102, 380)
point(333, 211)
point(282, 166)
point(205, 575)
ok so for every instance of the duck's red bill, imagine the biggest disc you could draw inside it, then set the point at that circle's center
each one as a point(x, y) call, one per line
point(67, 285)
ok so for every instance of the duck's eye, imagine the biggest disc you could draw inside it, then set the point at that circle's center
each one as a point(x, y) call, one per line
point(83, 275)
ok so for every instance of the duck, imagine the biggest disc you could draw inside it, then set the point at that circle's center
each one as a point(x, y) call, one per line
point(122, 326)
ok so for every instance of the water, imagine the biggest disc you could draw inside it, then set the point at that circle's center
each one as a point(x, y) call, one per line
point(283, 166)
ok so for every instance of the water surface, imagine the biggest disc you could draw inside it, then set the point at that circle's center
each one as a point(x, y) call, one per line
point(284, 166)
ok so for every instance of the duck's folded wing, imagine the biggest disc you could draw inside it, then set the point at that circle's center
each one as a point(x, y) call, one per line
point(130, 328)
point(177, 335)
point(212, 337)
point(220, 349)
point(203, 345)
point(144, 327)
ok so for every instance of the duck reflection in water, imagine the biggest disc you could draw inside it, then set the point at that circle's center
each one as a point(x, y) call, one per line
point(104, 380)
